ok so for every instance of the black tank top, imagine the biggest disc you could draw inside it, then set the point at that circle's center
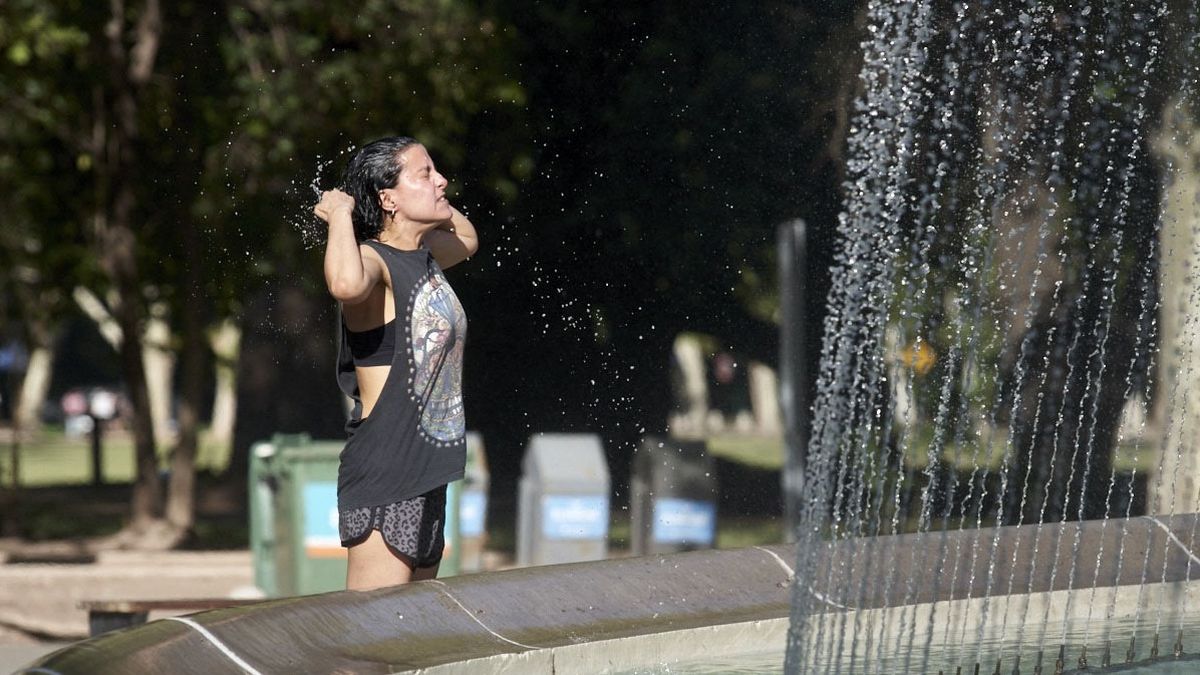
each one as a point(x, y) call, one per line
point(414, 440)
point(374, 346)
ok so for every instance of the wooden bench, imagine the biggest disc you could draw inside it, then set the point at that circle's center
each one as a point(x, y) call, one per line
point(110, 615)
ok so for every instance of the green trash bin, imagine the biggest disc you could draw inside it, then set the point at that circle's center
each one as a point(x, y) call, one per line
point(293, 516)
point(294, 520)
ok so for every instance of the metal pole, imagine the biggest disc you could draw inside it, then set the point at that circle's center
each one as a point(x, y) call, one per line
point(793, 383)
point(97, 453)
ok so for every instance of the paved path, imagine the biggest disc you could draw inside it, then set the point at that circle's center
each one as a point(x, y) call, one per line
point(38, 601)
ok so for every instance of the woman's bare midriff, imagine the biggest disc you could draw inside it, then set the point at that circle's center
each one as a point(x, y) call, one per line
point(370, 385)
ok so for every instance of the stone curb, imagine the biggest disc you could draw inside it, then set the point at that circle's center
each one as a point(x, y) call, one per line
point(435, 623)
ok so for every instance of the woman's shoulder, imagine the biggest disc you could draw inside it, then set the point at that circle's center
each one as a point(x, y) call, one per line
point(371, 254)
point(373, 250)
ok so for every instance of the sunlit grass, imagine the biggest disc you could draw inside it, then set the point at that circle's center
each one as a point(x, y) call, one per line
point(986, 450)
point(55, 458)
point(760, 452)
point(747, 531)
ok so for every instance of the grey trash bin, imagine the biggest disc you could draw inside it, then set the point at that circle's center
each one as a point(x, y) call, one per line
point(673, 497)
point(563, 500)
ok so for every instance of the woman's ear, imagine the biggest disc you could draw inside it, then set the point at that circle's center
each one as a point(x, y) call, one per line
point(387, 200)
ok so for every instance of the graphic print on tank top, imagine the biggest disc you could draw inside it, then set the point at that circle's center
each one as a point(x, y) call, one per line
point(438, 331)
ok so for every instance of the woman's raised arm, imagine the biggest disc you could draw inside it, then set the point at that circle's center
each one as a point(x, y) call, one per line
point(349, 274)
point(453, 241)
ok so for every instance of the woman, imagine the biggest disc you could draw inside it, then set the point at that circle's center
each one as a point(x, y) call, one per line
point(391, 233)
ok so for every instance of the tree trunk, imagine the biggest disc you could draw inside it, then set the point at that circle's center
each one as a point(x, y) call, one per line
point(226, 342)
point(34, 388)
point(181, 495)
point(123, 327)
point(36, 307)
point(131, 66)
point(118, 259)
point(159, 360)
point(36, 310)
point(1176, 412)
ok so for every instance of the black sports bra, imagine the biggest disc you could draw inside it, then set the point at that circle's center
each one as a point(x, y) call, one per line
point(373, 347)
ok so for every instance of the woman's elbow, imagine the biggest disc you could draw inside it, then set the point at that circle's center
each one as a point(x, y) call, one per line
point(343, 291)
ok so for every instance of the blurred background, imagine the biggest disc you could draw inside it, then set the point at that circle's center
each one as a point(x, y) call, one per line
point(626, 164)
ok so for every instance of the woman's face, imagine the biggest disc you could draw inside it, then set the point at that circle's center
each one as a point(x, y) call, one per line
point(420, 191)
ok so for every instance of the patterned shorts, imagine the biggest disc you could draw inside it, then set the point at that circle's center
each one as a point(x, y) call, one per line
point(412, 528)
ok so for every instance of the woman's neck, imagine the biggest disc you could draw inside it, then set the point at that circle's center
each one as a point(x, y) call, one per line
point(403, 235)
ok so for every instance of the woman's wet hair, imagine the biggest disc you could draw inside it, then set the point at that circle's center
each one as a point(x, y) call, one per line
point(374, 167)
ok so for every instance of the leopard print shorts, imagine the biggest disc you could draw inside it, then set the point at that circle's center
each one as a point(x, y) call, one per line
point(412, 528)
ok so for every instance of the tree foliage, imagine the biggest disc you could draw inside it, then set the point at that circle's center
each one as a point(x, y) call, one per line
point(669, 142)
point(42, 160)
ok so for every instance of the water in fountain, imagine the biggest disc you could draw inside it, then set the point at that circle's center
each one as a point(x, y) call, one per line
point(1008, 287)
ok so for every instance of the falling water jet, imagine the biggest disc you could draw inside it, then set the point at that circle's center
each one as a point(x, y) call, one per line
point(855, 261)
point(1123, 201)
point(919, 252)
point(1020, 374)
point(1043, 367)
point(1128, 394)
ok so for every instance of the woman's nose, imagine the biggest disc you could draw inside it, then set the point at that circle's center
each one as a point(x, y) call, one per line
point(440, 180)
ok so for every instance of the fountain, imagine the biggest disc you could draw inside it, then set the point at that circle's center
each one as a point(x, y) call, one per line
point(983, 487)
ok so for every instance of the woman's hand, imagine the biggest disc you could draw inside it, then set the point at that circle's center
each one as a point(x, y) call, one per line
point(331, 202)
point(351, 271)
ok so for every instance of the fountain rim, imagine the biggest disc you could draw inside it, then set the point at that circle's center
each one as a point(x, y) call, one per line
point(543, 619)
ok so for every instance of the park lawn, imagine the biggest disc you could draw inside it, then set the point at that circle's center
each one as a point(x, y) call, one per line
point(743, 531)
point(757, 451)
point(986, 451)
point(54, 458)
point(766, 452)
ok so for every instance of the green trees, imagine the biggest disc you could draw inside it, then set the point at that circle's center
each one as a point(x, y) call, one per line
point(77, 79)
point(38, 160)
point(626, 165)
point(154, 158)
point(669, 140)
